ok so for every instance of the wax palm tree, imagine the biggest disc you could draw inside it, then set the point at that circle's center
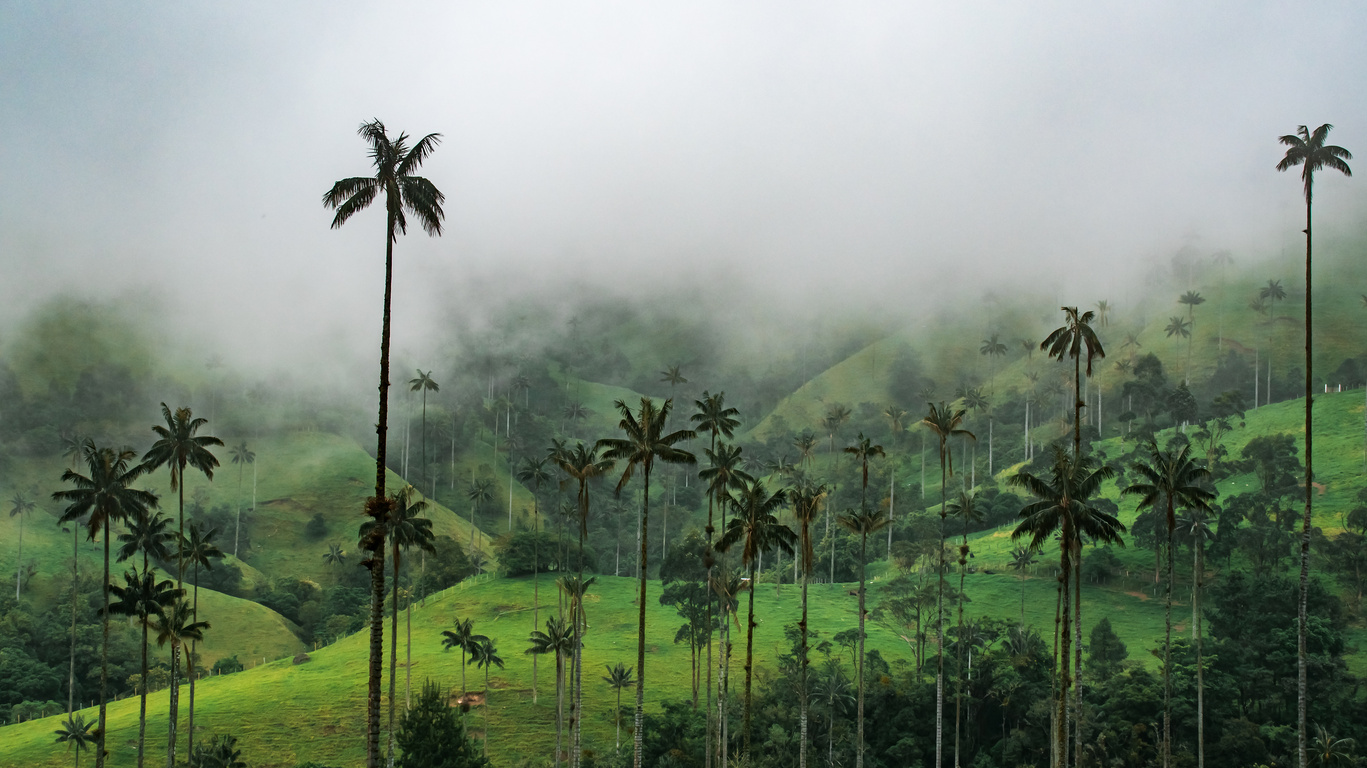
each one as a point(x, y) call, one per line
point(807, 498)
point(1309, 151)
point(992, 348)
point(644, 442)
point(104, 496)
point(395, 164)
point(484, 656)
point(75, 732)
point(1329, 751)
point(863, 449)
point(618, 677)
point(478, 492)
point(863, 523)
point(1021, 559)
point(424, 384)
point(464, 638)
point(146, 535)
point(242, 456)
point(575, 589)
point(944, 422)
point(966, 508)
point(1075, 338)
point(1170, 478)
point(1063, 506)
point(756, 528)
point(142, 597)
point(534, 473)
point(199, 550)
point(835, 418)
point(407, 529)
point(559, 639)
point(175, 625)
point(1272, 293)
point(580, 464)
point(1103, 313)
point(671, 374)
point(19, 506)
point(806, 444)
point(724, 476)
point(714, 417)
point(335, 555)
point(1196, 523)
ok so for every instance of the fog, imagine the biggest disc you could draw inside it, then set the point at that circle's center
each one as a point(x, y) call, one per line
point(775, 159)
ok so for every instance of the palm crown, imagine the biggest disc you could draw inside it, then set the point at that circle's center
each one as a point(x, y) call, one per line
point(394, 163)
point(1309, 151)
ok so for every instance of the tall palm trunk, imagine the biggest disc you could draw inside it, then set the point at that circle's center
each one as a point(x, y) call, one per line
point(863, 564)
point(175, 647)
point(709, 557)
point(959, 695)
point(1064, 659)
point(559, 702)
point(75, 577)
point(1077, 651)
point(749, 664)
point(142, 694)
point(237, 529)
point(379, 503)
point(104, 653)
point(1305, 523)
point(175, 702)
point(639, 720)
point(190, 732)
point(803, 693)
point(1167, 657)
point(536, 580)
point(940, 618)
point(580, 625)
point(393, 649)
point(1197, 576)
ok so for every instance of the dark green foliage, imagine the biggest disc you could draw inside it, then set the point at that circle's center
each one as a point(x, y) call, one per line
point(431, 736)
point(1273, 458)
point(1105, 650)
point(518, 553)
point(445, 567)
point(317, 527)
point(227, 665)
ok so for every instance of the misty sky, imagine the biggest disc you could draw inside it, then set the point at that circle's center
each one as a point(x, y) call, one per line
point(810, 151)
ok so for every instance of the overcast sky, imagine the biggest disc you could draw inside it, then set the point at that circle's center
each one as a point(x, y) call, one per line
point(870, 150)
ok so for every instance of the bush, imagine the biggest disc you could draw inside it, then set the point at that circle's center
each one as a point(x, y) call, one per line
point(317, 527)
point(518, 554)
point(227, 666)
point(431, 736)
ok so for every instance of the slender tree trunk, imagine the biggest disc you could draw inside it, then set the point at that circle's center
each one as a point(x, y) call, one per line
point(1309, 492)
point(237, 528)
point(19, 569)
point(142, 693)
point(536, 581)
point(75, 578)
point(1077, 651)
point(959, 650)
point(709, 558)
point(1197, 577)
point(863, 565)
point(1065, 676)
point(393, 651)
point(175, 704)
point(1167, 657)
point(940, 618)
point(803, 693)
point(408, 657)
point(376, 663)
point(749, 664)
point(639, 721)
point(559, 702)
point(618, 718)
point(190, 665)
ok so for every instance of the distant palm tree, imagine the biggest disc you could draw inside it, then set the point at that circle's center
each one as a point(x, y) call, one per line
point(335, 555)
point(1179, 327)
point(671, 374)
point(407, 529)
point(863, 449)
point(993, 349)
point(1075, 338)
point(1197, 525)
point(756, 528)
point(425, 384)
point(75, 732)
point(863, 523)
point(1329, 751)
point(965, 508)
point(19, 506)
point(142, 597)
point(1062, 506)
point(807, 498)
point(1021, 559)
point(175, 625)
point(581, 464)
point(242, 456)
point(575, 590)
point(645, 441)
point(199, 549)
point(944, 423)
point(1171, 478)
point(484, 656)
point(478, 492)
point(395, 164)
point(464, 638)
point(618, 677)
point(103, 497)
point(560, 640)
point(1103, 313)
point(1309, 151)
point(534, 473)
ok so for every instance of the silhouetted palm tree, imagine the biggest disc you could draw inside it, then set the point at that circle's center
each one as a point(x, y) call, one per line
point(19, 506)
point(944, 423)
point(757, 529)
point(484, 656)
point(1075, 338)
point(560, 640)
point(863, 523)
point(103, 497)
point(534, 473)
point(142, 597)
point(464, 638)
point(645, 441)
point(618, 677)
point(75, 732)
point(425, 384)
point(395, 164)
point(242, 456)
point(1021, 559)
point(1063, 506)
point(807, 498)
point(1309, 151)
point(335, 555)
point(199, 549)
point(176, 626)
point(965, 508)
point(478, 492)
point(1170, 478)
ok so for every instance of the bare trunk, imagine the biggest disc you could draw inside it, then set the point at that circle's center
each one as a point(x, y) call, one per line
point(639, 721)
point(1309, 492)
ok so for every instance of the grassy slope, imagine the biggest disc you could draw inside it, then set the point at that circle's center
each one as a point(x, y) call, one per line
point(269, 706)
